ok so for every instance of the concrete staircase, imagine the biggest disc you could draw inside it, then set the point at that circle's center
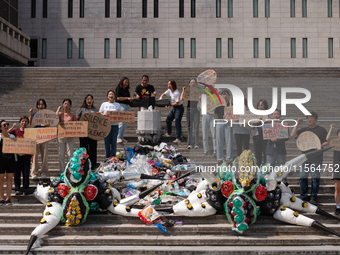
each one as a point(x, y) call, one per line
point(111, 234)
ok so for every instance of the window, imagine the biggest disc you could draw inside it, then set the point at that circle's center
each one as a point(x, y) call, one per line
point(119, 8)
point(292, 47)
point(33, 8)
point(255, 8)
point(218, 8)
point(330, 47)
point(181, 47)
point(107, 48)
point(304, 48)
point(181, 8)
point(155, 8)
point(230, 8)
point(44, 8)
point(230, 47)
point(70, 8)
point(304, 8)
point(81, 47)
point(329, 8)
point(118, 48)
point(44, 48)
point(144, 8)
point(193, 48)
point(267, 47)
point(144, 48)
point(107, 8)
point(34, 48)
point(218, 47)
point(292, 8)
point(193, 8)
point(155, 48)
point(69, 48)
point(81, 8)
point(267, 8)
point(256, 47)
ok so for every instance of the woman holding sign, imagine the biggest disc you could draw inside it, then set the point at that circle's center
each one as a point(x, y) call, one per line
point(87, 142)
point(176, 112)
point(111, 140)
point(24, 161)
point(7, 166)
point(65, 142)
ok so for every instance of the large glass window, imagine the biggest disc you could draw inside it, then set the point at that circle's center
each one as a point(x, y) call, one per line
point(107, 8)
point(193, 8)
point(329, 8)
point(69, 48)
point(267, 47)
point(181, 8)
point(304, 48)
point(144, 8)
point(330, 47)
point(230, 8)
point(44, 48)
point(44, 8)
point(218, 48)
point(144, 52)
point(218, 8)
point(230, 47)
point(70, 8)
point(81, 8)
point(119, 9)
point(34, 48)
point(193, 48)
point(292, 47)
point(155, 8)
point(181, 47)
point(256, 47)
point(81, 47)
point(292, 8)
point(304, 8)
point(267, 8)
point(33, 8)
point(155, 47)
point(107, 48)
point(118, 48)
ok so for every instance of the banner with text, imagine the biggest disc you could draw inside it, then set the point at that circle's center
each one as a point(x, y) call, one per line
point(72, 129)
point(118, 116)
point(275, 130)
point(99, 126)
point(41, 135)
point(19, 146)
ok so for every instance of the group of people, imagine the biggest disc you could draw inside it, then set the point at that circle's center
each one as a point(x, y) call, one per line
point(271, 151)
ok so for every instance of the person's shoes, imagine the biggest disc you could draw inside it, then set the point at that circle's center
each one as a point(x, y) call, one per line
point(189, 147)
point(229, 162)
point(119, 140)
point(214, 152)
point(196, 147)
point(124, 140)
point(43, 176)
point(177, 141)
point(306, 199)
point(206, 153)
point(313, 201)
point(8, 202)
point(166, 135)
point(34, 177)
point(2, 202)
point(337, 211)
point(219, 162)
point(18, 193)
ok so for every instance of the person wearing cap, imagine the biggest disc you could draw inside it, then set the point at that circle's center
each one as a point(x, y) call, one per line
point(316, 162)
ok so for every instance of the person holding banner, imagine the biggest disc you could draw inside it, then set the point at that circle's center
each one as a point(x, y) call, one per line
point(311, 166)
point(65, 142)
point(23, 161)
point(87, 142)
point(193, 118)
point(111, 140)
point(176, 112)
point(7, 166)
point(124, 99)
point(276, 148)
point(42, 147)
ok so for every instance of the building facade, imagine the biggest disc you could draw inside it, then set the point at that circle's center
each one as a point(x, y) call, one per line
point(182, 33)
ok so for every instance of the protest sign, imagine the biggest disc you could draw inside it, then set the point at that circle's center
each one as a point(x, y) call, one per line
point(72, 129)
point(275, 130)
point(192, 93)
point(45, 116)
point(19, 146)
point(208, 77)
point(307, 141)
point(118, 116)
point(211, 105)
point(336, 143)
point(99, 126)
point(41, 135)
point(228, 114)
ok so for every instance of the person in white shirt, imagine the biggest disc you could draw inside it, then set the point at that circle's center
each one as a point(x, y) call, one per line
point(111, 140)
point(176, 112)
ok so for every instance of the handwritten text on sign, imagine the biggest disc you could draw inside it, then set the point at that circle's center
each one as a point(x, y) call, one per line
point(192, 93)
point(336, 143)
point(41, 135)
point(118, 116)
point(274, 131)
point(19, 146)
point(307, 141)
point(228, 114)
point(99, 126)
point(72, 129)
point(45, 116)
point(207, 77)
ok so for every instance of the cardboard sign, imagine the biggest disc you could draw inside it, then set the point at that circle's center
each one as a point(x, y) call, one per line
point(275, 130)
point(192, 93)
point(228, 114)
point(99, 126)
point(119, 116)
point(45, 116)
point(211, 103)
point(208, 77)
point(19, 146)
point(336, 143)
point(308, 141)
point(72, 129)
point(41, 135)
